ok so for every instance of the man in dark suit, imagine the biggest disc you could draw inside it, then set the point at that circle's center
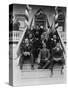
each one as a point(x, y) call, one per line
point(26, 50)
point(37, 45)
point(57, 57)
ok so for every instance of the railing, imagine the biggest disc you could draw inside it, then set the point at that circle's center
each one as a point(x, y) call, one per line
point(62, 43)
point(63, 36)
point(61, 40)
point(14, 36)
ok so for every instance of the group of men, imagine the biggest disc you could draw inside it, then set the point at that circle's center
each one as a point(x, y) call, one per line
point(38, 43)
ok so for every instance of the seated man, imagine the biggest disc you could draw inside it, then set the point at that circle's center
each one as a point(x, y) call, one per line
point(44, 58)
point(57, 57)
point(31, 38)
point(51, 43)
point(37, 45)
point(26, 51)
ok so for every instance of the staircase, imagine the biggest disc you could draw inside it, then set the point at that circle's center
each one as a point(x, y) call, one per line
point(27, 76)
